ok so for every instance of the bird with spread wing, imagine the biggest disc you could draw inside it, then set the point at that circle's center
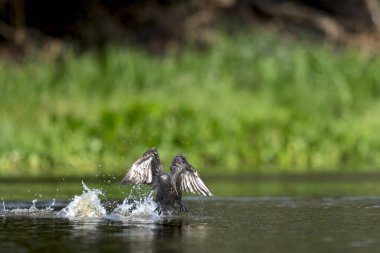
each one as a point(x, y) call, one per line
point(148, 170)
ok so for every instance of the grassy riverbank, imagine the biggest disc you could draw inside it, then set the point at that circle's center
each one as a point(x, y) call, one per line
point(251, 103)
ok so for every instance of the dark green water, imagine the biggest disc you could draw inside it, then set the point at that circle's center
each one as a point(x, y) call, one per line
point(304, 219)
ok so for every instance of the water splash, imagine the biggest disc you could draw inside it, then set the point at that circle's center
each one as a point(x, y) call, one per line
point(33, 208)
point(141, 210)
point(3, 212)
point(87, 205)
point(51, 207)
point(31, 211)
point(137, 207)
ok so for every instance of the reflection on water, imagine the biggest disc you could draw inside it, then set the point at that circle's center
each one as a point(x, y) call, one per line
point(215, 225)
point(99, 234)
point(219, 224)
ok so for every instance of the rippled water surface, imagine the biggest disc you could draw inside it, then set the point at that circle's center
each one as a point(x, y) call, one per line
point(218, 224)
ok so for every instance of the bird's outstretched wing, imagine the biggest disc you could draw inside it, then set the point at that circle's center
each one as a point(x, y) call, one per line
point(187, 177)
point(146, 170)
point(191, 182)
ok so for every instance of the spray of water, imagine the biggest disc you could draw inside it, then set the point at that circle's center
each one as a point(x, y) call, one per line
point(141, 210)
point(31, 211)
point(87, 205)
point(137, 207)
point(51, 207)
point(3, 213)
point(33, 208)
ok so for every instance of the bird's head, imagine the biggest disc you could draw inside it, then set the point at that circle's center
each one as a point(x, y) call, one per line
point(151, 151)
point(178, 161)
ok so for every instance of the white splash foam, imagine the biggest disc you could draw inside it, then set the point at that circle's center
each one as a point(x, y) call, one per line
point(51, 207)
point(142, 210)
point(137, 207)
point(3, 211)
point(87, 205)
point(32, 210)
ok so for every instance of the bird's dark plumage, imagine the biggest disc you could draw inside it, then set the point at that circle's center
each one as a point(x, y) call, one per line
point(148, 170)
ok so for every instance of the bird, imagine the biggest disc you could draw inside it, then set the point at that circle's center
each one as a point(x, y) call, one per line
point(183, 177)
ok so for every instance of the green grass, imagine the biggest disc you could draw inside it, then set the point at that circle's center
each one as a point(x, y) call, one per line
point(251, 103)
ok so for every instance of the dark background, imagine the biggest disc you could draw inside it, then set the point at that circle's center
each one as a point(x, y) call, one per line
point(164, 25)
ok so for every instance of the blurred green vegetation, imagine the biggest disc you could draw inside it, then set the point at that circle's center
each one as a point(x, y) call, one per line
point(250, 103)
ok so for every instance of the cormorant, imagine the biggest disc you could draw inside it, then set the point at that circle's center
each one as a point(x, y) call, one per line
point(148, 170)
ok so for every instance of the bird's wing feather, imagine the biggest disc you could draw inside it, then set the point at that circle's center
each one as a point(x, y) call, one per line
point(145, 170)
point(191, 182)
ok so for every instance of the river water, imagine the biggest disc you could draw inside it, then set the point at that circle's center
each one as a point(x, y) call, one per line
point(92, 221)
